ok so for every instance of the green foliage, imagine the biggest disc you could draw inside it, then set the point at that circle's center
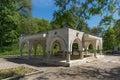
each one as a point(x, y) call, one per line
point(63, 19)
point(42, 24)
point(9, 50)
point(109, 39)
point(9, 21)
point(24, 7)
point(96, 31)
point(75, 47)
point(56, 48)
point(116, 28)
point(75, 13)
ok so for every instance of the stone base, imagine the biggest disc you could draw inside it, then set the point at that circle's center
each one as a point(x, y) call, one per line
point(72, 62)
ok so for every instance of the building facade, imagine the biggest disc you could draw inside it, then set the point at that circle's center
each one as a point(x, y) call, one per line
point(64, 38)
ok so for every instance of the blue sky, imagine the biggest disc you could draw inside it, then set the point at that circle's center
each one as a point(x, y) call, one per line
point(44, 9)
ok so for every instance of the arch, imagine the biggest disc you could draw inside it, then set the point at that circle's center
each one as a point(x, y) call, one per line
point(58, 41)
point(21, 47)
point(90, 48)
point(56, 47)
point(78, 41)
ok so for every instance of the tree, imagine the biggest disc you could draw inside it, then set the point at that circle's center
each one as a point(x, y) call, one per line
point(96, 31)
point(33, 26)
point(12, 13)
point(84, 10)
point(109, 39)
point(116, 28)
point(24, 7)
point(66, 19)
point(9, 21)
point(43, 25)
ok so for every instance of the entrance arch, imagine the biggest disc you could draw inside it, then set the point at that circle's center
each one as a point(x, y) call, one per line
point(76, 48)
point(78, 42)
point(90, 48)
point(57, 48)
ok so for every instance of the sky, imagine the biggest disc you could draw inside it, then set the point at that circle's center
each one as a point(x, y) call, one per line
point(44, 9)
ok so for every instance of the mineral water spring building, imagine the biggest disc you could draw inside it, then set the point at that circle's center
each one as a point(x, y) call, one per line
point(73, 46)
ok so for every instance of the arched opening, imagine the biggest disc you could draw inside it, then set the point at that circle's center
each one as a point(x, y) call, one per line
point(76, 49)
point(90, 48)
point(25, 50)
point(38, 51)
point(57, 50)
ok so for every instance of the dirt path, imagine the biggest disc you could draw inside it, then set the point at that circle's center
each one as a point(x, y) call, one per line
point(107, 68)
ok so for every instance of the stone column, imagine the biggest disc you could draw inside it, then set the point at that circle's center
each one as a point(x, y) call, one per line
point(20, 49)
point(44, 53)
point(29, 53)
point(80, 54)
point(100, 52)
point(29, 46)
point(48, 55)
point(21, 52)
point(63, 54)
point(86, 50)
point(95, 53)
point(68, 57)
point(35, 49)
point(72, 52)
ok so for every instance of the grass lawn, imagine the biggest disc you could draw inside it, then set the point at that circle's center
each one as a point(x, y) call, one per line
point(9, 51)
point(21, 70)
point(14, 51)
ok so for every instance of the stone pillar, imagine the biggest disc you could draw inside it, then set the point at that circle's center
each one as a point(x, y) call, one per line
point(95, 53)
point(29, 46)
point(44, 53)
point(20, 49)
point(68, 57)
point(100, 52)
point(72, 52)
point(35, 49)
point(48, 55)
point(63, 54)
point(21, 52)
point(86, 50)
point(51, 53)
point(29, 53)
point(80, 54)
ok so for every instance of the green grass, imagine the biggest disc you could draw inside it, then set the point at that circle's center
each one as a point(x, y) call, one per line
point(14, 51)
point(21, 70)
point(9, 51)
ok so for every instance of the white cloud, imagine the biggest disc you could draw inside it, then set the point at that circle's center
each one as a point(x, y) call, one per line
point(43, 3)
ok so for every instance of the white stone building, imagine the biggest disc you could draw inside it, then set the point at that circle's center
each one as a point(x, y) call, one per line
point(64, 38)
